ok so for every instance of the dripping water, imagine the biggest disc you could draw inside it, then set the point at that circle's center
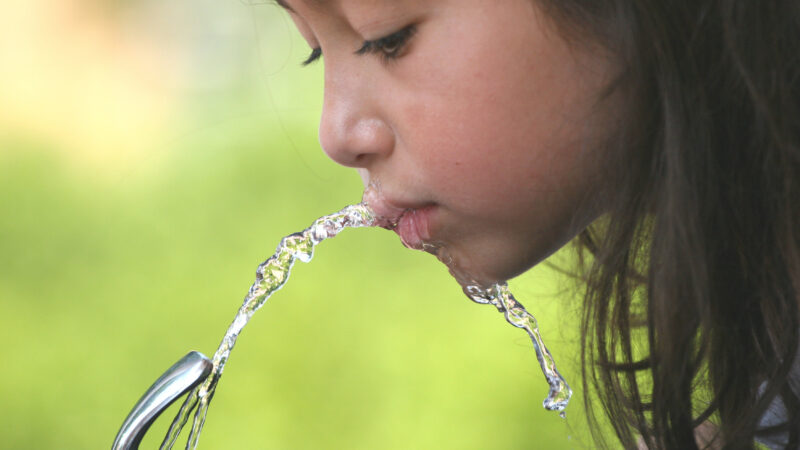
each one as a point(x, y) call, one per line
point(501, 298)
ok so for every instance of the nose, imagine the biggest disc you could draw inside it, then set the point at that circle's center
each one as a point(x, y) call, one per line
point(353, 130)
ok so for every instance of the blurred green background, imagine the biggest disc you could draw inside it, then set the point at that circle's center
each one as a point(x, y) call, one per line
point(151, 155)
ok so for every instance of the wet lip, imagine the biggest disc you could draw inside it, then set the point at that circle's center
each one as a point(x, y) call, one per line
point(412, 226)
point(411, 221)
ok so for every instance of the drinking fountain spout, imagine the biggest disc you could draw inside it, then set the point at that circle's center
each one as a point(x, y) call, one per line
point(183, 376)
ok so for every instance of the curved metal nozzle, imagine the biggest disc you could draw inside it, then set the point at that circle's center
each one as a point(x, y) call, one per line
point(184, 375)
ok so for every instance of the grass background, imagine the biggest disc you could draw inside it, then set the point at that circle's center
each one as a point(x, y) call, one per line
point(124, 247)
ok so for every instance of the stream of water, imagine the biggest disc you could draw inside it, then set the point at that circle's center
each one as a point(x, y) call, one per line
point(273, 273)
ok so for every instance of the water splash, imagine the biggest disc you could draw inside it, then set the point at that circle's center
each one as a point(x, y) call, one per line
point(273, 273)
point(270, 276)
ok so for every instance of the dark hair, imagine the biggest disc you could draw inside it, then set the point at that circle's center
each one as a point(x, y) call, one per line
point(691, 312)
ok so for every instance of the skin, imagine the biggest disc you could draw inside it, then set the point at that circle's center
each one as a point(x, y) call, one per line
point(488, 117)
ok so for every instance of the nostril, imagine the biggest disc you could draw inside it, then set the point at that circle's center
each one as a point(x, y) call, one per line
point(361, 159)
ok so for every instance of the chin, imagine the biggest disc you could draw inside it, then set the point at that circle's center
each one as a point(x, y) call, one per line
point(481, 268)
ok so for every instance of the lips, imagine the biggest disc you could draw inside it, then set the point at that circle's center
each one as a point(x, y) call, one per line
point(410, 221)
point(386, 214)
point(413, 227)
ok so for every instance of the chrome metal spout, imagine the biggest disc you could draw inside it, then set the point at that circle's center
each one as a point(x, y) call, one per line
point(183, 376)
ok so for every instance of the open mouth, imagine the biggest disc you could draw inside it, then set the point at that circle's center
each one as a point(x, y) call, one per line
point(411, 223)
point(387, 215)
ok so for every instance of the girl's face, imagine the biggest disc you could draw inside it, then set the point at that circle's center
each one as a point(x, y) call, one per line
point(474, 123)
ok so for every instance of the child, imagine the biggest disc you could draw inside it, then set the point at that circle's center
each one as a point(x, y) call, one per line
point(664, 135)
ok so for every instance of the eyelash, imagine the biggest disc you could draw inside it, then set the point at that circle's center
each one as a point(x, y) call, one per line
point(315, 54)
point(388, 48)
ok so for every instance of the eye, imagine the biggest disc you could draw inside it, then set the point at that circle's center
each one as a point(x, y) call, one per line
point(391, 46)
point(316, 53)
